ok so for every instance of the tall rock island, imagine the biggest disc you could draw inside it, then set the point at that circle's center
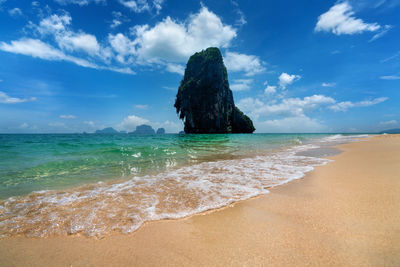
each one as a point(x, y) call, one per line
point(204, 100)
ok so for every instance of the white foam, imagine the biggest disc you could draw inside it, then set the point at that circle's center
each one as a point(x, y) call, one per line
point(101, 208)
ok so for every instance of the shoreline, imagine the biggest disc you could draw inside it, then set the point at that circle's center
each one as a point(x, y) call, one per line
point(337, 214)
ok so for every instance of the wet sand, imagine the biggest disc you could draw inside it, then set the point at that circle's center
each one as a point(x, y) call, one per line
point(346, 213)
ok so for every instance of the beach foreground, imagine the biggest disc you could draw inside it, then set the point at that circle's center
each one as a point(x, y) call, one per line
point(344, 213)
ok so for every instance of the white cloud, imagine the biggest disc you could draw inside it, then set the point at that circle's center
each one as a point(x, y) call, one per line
point(80, 42)
point(328, 84)
point(57, 26)
point(173, 41)
point(6, 99)
point(287, 79)
point(381, 33)
point(15, 12)
point(270, 90)
point(141, 106)
point(249, 64)
point(389, 123)
point(79, 2)
point(129, 123)
point(123, 46)
point(390, 77)
point(241, 84)
point(344, 106)
point(290, 114)
point(91, 124)
point(287, 107)
point(296, 124)
point(339, 20)
point(175, 68)
point(67, 117)
point(38, 49)
point(139, 6)
point(169, 126)
point(168, 44)
point(118, 19)
point(242, 19)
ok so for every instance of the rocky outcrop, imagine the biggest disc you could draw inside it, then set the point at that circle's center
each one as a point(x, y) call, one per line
point(108, 130)
point(160, 131)
point(143, 129)
point(204, 100)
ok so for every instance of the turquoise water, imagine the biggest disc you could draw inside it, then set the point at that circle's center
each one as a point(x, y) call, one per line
point(57, 184)
point(34, 162)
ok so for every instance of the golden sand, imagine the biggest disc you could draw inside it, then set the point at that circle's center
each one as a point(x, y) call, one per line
point(346, 213)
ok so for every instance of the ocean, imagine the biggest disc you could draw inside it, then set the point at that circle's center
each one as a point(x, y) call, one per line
point(57, 184)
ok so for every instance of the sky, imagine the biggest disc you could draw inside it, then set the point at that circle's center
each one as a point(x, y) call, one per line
point(294, 66)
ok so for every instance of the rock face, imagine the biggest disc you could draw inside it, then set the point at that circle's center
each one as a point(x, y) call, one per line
point(391, 131)
point(204, 100)
point(143, 129)
point(160, 131)
point(108, 130)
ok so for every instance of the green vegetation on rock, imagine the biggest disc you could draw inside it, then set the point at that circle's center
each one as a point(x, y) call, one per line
point(204, 100)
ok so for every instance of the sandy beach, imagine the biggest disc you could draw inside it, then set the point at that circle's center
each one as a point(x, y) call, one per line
point(346, 213)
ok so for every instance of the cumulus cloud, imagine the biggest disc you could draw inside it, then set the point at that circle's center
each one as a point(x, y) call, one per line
point(293, 114)
point(169, 126)
point(175, 68)
point(167, 44)
point(339, 19)
point(297, 124)
point(57, 26)
point(249, 64)
point(344, 106)
point(6, 99)
point(122, 46)
point(129, 123)
point(241, 84)
point(139, 6)
point(290, 114)
point(174, 41)
point(270, 90)
point(287, 79)
point(118, 19)
point(15, 12)
point(67, 117)
point(287, 107)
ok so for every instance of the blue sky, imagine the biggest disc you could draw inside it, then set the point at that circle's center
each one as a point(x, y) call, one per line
point(294, 66)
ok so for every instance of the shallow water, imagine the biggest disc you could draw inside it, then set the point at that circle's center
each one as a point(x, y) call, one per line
point(95, 184)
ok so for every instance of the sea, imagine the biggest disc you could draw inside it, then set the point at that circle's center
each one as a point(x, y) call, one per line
point(96, 184)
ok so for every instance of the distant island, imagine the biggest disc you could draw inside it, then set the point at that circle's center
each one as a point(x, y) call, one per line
point(205, 101)
point(141, 129)
point(391, 131)
point(108, 130)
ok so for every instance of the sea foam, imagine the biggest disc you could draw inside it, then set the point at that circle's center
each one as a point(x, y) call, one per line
point(98, 209)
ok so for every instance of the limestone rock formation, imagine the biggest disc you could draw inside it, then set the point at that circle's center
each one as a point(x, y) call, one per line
point(143, 129)
point(160, 131)
point(204, 100)
point(108, 130)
